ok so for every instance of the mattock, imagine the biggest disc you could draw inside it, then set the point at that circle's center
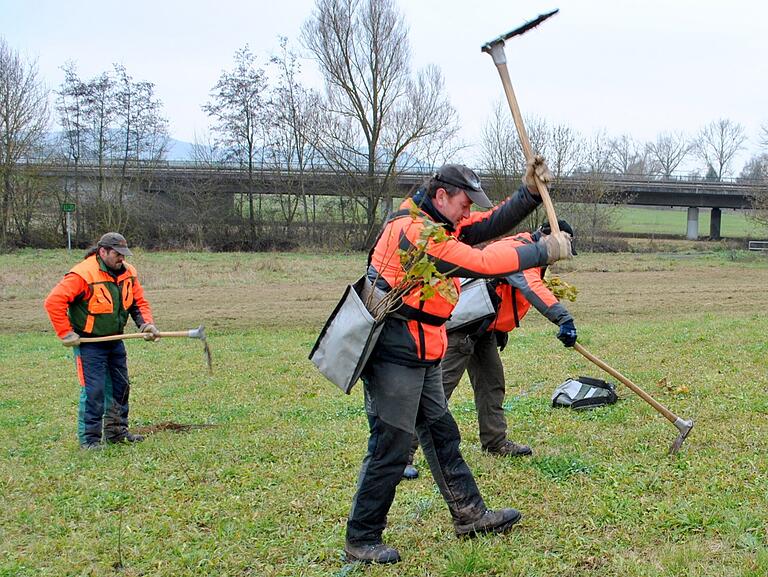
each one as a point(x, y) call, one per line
point(198, 333)
point(496, 49)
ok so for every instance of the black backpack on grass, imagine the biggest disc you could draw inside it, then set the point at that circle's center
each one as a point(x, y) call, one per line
point(584, 393)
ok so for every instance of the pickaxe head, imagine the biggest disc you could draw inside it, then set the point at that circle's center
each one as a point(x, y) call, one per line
point(199, 333)
point(520, 30)
point(496, 46)
point(684, 427)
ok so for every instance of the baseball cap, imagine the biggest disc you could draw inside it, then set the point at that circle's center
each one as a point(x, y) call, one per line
point(464, 178)
point(115, 241)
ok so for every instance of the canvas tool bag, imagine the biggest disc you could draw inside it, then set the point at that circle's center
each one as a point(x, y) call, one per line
point(474, 304)
point(348, 337)
point(584, 393)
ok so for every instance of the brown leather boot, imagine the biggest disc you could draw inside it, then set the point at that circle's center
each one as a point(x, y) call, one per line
point(375, 553)
point(127, 438)
point(510, 449)
point(490, 522)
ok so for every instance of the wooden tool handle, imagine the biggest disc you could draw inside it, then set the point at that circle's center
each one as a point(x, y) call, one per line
point(671, 417)
point(526, 143)
point(132, 336)
point(113, 338)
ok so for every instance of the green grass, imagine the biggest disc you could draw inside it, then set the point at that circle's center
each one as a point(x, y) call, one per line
point(733, 224)
point(266, 490)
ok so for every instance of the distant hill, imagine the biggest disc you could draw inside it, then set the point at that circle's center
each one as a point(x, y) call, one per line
point(179, 150)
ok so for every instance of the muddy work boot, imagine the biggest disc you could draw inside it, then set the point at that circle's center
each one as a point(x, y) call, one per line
point(92, 446)
point(510, 449)
point(127, 438)
point(490, 522)
point(376, 553)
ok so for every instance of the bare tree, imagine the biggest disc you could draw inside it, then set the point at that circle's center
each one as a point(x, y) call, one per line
point(755, 172)
point(627, 156)
point(500, 157)
point(764, 135)
point(502, 154)
point(237, 106)
point(565, 151)
point(362, 49)
point(143, 132)
point(23, 123)
point(294, 114)
point(100, 113)
point(72, 105)
point(668, 152)
point(718, 142)
point(593, 206)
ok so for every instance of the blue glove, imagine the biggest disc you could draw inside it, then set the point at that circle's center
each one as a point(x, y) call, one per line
point(567, 334)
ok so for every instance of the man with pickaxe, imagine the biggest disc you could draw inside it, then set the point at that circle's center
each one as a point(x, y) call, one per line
point(94, 299)
point(495, 48)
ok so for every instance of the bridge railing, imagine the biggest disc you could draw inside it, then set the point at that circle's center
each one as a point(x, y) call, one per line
point(414, 172)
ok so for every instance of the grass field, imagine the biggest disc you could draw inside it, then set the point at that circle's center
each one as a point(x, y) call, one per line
point(733, 224)
point(263, 489)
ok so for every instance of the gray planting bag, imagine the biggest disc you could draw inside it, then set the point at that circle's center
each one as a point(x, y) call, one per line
point(347, 339)
point(474, 304)
point(584, 393)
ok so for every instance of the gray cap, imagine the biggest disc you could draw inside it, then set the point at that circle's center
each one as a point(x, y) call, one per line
point(115, 241)
point(464, 178)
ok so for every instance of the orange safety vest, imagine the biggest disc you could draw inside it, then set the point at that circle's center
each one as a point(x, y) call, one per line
point(104, 310)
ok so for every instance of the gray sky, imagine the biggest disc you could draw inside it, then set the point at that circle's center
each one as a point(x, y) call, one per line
point(637, 67)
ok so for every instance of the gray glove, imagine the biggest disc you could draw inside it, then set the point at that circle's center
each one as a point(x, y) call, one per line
point(152, 333)
point(558, 246)
point(71, 339)
point(536, 166)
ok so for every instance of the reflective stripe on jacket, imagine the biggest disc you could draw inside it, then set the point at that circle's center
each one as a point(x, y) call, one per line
point(415, 335)
point(523, 289)
point(92, 301)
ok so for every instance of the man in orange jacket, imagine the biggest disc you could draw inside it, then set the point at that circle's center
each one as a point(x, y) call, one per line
point(94, 299)
point(475, 348)
point(402, 380)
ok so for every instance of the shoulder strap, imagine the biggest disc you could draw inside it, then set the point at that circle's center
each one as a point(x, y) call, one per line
point(599, 383)
point(392, 216)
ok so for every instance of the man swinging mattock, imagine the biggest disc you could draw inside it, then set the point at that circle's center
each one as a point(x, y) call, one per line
point(403, 383)
point(94, 299)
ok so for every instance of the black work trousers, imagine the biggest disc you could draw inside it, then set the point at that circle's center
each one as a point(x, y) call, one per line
point(480, 358)
point(400, 400)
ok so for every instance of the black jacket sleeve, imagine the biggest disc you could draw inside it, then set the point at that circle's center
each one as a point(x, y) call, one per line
point(484, 226)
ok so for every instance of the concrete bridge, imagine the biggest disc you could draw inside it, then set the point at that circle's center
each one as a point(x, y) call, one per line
point(694, 194)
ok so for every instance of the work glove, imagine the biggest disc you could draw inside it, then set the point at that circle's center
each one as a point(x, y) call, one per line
point(152, 333)
point(71, 339)
point(567, 334)
point(536, 166)
point(558, 246)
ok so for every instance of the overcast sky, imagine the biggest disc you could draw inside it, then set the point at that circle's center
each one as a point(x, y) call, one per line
point(637, 67)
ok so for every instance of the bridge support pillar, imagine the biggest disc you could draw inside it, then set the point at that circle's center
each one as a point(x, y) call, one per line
point(693, 223)
point(714, 224)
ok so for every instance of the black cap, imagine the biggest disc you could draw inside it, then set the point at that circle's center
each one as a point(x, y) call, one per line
point(464, 178)
point(564, 226)
point(115, 241)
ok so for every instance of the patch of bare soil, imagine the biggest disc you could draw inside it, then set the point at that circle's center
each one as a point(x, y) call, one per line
point(170, 426)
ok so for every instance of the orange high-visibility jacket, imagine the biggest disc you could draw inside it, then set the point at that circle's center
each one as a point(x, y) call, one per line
point(93, 302)
point(517, 292)
point(415, 335)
